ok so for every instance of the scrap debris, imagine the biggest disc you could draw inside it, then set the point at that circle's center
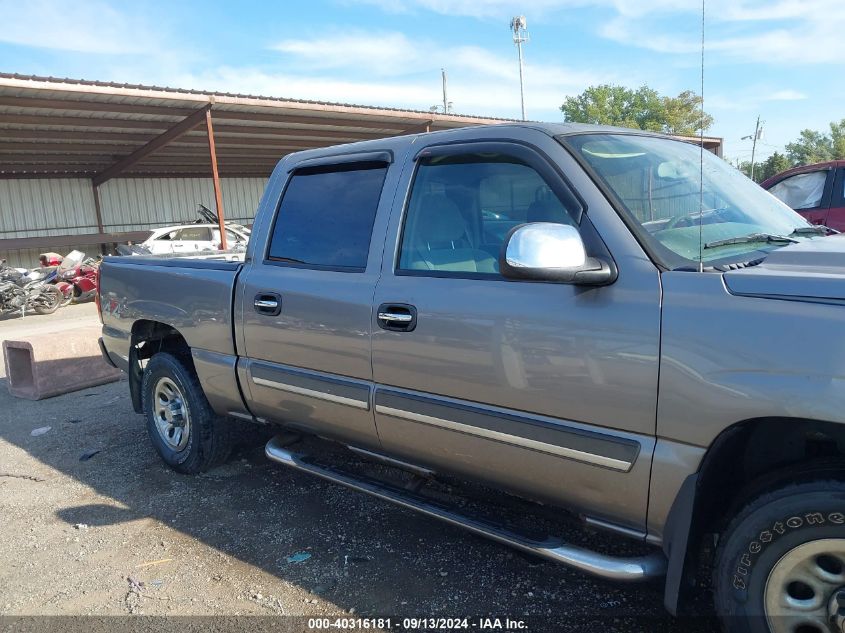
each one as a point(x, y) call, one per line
point(298, 557)
point(155, 562)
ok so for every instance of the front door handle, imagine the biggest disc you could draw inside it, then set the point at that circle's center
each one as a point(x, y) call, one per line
point(268, 303)
point(397, 317)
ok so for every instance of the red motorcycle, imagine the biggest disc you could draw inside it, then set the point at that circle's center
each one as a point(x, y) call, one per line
point(77, 278)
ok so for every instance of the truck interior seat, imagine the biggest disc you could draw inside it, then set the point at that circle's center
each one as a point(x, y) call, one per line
point(440, 240)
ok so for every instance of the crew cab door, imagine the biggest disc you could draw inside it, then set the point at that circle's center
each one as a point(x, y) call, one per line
point(545, 389)
point(306, 293)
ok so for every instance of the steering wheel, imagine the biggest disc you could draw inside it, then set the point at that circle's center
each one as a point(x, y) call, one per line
point(688, 219)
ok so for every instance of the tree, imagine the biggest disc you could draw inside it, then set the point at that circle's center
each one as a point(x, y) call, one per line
point(772, 166)
point(816, 147)
point(683, 114)
point(642, 109)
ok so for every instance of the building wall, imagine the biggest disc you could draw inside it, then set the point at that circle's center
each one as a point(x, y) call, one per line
point(30, 208)
point(137, 204)
point(41, 207)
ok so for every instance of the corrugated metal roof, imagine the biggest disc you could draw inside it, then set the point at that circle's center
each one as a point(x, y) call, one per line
point(64, 127)
point(213, 93)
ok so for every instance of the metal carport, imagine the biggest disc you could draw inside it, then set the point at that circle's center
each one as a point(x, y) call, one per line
point(68, 139)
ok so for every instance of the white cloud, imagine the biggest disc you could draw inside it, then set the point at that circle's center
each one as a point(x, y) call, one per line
point(751, 99)
point(792, 32)
point(93, 27)
point(385, 53)
point(484, 9)
point(785, 95)
point(390, 68)
point(782, 32)
point(486, 95)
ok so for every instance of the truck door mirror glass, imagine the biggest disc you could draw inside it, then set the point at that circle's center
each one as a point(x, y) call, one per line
point(545, 251)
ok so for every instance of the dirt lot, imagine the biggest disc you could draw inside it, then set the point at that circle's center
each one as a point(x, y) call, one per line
point(115, 532)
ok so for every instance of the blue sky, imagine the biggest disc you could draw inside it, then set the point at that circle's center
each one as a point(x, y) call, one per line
point(782, 59)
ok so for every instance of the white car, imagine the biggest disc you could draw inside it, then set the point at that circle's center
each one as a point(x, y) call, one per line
point(191, 238)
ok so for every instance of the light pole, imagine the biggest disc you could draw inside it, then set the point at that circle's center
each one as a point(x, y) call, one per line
point(520, 35)
point(445, 98)
point(758, 132)
point(447, 105)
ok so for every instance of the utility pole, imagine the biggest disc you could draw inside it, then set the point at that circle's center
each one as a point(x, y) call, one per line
point(758, 133)
point(519, 27)
point(445, 99)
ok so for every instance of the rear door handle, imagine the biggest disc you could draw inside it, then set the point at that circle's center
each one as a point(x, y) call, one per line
point(268, 303)
point(397, 317)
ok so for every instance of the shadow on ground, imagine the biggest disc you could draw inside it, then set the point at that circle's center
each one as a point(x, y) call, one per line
point(235, 534)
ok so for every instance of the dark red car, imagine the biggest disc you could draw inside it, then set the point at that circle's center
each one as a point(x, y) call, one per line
point(816, 191)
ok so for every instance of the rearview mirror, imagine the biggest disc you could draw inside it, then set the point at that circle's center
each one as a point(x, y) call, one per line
point(544, 251)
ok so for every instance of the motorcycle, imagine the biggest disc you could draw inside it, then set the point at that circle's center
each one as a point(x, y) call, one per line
point(77, 278)
point(25, 290)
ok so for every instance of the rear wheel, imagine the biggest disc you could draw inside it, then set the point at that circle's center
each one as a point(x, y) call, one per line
point(184, 430)
point(48, 300)
point(780, 567)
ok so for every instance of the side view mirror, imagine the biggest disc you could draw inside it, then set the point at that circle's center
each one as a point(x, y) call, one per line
point(544, 251)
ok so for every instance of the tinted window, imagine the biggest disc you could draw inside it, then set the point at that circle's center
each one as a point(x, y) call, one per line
point(195, 234)
point(802, 191)
point(326, 216)
point(461, 208)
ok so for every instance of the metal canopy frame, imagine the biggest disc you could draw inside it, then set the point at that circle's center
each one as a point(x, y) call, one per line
point(65, 128)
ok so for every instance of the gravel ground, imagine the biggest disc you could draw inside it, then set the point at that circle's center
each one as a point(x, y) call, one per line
point(115, 532)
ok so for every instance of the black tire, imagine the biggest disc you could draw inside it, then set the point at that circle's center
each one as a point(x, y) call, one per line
point(209, 440)
point(759, 536)
point(49, 300)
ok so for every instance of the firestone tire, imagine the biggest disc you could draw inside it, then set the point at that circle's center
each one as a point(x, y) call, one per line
point(782, 534)
point(52, 300)
point(183, 428)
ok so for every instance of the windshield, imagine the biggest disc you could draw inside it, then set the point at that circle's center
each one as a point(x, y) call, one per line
point(658, 182)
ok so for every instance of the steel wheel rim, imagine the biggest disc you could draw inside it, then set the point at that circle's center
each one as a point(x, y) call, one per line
point(171, 414)
point(804, 588)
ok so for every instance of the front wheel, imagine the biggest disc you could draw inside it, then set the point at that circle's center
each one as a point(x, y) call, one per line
point(67, 296)
point(780, 566)
point(184, 430)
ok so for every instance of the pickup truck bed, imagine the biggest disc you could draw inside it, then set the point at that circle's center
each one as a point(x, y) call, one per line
point(193, 297)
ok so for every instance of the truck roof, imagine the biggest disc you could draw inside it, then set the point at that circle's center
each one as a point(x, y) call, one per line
point(510, 129)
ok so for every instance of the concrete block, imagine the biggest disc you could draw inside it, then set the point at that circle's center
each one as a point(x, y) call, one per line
point(47, 365)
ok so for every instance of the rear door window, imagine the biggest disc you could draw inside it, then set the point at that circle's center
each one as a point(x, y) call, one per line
point(325, 219)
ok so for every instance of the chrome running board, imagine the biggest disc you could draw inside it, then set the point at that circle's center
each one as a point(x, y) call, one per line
point(632, 569)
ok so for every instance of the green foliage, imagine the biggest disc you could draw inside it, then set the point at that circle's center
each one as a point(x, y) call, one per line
point(773, 165)
point(642, 109)
point(817, 147)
